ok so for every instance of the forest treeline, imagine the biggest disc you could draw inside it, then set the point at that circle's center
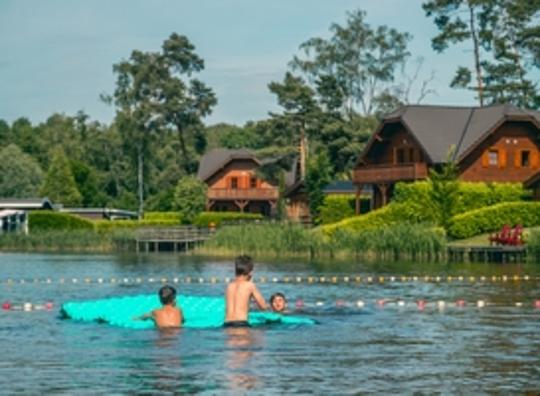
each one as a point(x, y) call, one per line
point(333, 93)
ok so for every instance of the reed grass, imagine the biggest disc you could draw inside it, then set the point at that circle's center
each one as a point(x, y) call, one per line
point(398, 242)
point(69, 241)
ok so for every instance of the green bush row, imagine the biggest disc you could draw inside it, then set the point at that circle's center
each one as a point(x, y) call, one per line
point(492, 218)
point(390, 214)
point(160, 216)
point(47, 220)
point(339, 207)
point(204, 219)
point(472, 195)
point(105, 225)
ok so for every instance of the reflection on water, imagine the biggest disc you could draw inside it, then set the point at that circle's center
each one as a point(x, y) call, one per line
point(242, 342)
point(378, 349)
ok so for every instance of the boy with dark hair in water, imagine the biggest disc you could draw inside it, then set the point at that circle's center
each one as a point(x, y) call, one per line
point(169, 315)
point(239, 293)
point(278, 302)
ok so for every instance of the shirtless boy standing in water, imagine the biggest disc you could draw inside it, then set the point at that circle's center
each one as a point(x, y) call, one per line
point(168, 316)
point(239, 293)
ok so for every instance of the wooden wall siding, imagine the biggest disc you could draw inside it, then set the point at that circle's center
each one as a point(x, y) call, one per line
point(387, 173)
point(243, 171)
point(509, 141)
point(394, 137)
point(243, 193)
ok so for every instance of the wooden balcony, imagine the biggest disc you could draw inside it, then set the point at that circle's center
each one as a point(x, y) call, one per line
point(390, 173)
point(249, 194)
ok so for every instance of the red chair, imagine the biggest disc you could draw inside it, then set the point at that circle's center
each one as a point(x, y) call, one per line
point(501, 237)
point(516, 236)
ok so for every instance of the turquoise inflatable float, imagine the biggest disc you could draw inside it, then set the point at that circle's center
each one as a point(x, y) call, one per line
point(199, 312)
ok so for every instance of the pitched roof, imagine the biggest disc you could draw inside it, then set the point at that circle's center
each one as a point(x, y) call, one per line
point(216, 159)
point(25, 203)
point(437, 128)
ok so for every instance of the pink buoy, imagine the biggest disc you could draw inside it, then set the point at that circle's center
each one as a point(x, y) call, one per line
point(49, 306)
point(6, 306)
point(460, 303)
point(537, 304)
point(299, 303)
point(381, 302)
point(340, 303)
point(421, 304)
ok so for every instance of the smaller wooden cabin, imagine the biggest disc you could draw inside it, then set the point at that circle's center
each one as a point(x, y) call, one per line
point(233, 184)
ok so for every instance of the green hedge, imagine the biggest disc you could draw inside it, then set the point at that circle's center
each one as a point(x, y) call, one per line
point(163, 216)
point(105, 225)
point(44, 220)
point(472, 195)
point(389, 214)
point(205, 218)
point(492, 218)
point(339, 207)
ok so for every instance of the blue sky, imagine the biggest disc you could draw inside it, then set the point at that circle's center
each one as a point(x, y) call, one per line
point(57, 55)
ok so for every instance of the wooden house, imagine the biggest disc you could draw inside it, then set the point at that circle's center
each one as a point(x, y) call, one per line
point(233, 184)
point(498, 143)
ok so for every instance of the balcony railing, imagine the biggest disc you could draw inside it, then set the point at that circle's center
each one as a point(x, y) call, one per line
point(253, 194)
point(390, 173)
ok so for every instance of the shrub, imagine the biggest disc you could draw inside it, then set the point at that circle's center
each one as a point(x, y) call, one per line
point(471, 195)
point(160, 216)
point(105, 225)
point(336, 208)
point(47, 220)
point(492, 218)
point(205, 218)
point(389, 214)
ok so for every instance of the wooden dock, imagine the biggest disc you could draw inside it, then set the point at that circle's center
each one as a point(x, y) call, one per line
point(170, 239)
point(487, 254)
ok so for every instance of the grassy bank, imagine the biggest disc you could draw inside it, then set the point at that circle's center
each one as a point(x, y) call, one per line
point(87, 240)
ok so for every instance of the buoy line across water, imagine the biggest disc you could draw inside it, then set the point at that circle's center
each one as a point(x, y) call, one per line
point(300, 305)
point(283, 279)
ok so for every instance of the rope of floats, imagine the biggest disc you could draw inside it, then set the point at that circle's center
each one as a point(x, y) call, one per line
point(300, 305)
point(284, 279)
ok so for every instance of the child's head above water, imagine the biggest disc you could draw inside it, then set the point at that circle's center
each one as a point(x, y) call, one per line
point(243, 265)
point(278, 302)
point(167, 295)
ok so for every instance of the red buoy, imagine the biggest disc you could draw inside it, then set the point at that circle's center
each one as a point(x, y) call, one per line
point(421, 304)
point(537, 304)
point(460, 303)
point(6, 306)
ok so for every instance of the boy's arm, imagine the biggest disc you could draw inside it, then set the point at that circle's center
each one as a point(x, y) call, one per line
point(259, 299)
point(149, 315)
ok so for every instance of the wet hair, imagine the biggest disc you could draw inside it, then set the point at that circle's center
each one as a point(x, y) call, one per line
point(167, 295)
point(243, 265)
point(275, 295)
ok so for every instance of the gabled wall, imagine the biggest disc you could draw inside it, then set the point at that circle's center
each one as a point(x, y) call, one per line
point(243, 171)
point(509, 141)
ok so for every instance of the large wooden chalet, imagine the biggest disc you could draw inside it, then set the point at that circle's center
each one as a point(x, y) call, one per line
point(497, 143)
point(233, 184)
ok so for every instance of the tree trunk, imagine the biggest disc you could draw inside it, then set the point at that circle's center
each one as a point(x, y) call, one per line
point(477, 66)
point(140, 180)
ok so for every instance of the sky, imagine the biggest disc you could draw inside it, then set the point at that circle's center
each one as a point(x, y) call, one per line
point(57, 55)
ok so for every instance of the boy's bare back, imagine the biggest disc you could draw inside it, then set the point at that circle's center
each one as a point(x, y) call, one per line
point(238, 296)
point(168, 316)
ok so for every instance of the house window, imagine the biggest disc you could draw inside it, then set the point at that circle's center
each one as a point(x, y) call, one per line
point(252, 182)
point(493, 157)
point(400, 156)
point(525, 159)
point(234, 182)
point(411, 154)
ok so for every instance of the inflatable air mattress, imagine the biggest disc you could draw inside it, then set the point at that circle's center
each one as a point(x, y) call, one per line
point(199, 312)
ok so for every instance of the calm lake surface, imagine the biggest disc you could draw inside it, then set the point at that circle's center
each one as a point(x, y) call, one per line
point(375, 349)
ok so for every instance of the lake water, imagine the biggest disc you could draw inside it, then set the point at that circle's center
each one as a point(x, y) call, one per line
point(385, 349)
